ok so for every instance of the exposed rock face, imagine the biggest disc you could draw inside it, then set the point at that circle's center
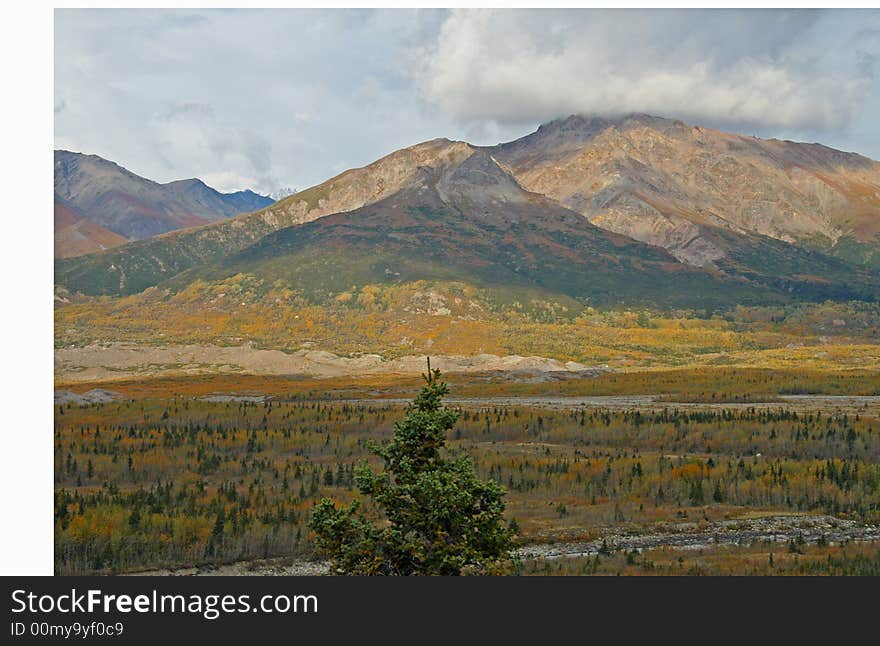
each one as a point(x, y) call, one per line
point(361, 186)
point(669, 184)
point(463, 217)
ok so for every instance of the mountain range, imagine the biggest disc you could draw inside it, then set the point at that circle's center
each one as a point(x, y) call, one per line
point(674, 185)
point(639, 210)
point(108, 205)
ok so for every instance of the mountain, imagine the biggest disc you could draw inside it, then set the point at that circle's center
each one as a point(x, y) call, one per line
point(134, 207)
point(464, 220)
point(698, 192)
point(142, 264)
point(467, 220)
point(76, 235)
point(719, 217)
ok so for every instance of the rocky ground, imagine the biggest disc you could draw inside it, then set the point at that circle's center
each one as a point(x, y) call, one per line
point(856, 404)
point(686, 535)
point(270, 567)
point(94, 396)
point(692, 535)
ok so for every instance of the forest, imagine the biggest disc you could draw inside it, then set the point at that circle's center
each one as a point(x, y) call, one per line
point(164, 482)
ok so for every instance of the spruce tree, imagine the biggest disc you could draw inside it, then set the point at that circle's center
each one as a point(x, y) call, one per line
point(437, 516)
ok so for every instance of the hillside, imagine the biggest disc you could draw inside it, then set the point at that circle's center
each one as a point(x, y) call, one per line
point(76, 235)
point(747, 209)
point(142, 264)
point(671, 184)
point(468, 220)
point(463, 261)
point(136, 208)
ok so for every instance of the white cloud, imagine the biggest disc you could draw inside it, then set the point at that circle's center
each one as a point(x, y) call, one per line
point(263, 98)
point(189, 134)
point(758, 68)
point(272, 98)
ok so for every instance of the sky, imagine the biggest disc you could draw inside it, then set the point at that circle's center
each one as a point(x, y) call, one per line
point(275, 99)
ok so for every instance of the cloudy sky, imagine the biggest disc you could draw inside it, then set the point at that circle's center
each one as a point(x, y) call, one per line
point(266, 99)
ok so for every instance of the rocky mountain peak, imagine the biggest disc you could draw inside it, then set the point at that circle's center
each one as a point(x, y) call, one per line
point(664, 182)
point(480, 180)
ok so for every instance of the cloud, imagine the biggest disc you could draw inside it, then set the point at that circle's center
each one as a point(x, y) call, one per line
point(782, 69)
point(272, 98)
point(256, 98)
point(189, 134)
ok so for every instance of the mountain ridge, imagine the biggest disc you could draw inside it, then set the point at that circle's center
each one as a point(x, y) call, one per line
point(664, 182)
point(468, 220)
point(614, 174)
point(147, 262)
point(136, 207)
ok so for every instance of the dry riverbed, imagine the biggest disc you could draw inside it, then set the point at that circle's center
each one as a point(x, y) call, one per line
point(99, 362)
point(684, 536)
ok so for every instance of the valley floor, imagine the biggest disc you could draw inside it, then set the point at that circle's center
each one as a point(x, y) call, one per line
point(703, 470)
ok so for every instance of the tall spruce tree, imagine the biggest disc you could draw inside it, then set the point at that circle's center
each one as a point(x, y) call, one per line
point(439, 518)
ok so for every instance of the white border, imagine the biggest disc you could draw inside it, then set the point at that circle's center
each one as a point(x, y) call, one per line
point(26, 251)
point(26, 45)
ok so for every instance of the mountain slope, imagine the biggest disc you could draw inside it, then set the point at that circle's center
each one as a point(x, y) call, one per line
point(714, 201)
point(76, 235)
point(137, 208)
point(469, 221)
point(670, 184)
point(142, 264)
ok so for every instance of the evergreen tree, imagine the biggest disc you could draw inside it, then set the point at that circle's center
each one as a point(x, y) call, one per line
point(441, 518)
point(718, 495)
